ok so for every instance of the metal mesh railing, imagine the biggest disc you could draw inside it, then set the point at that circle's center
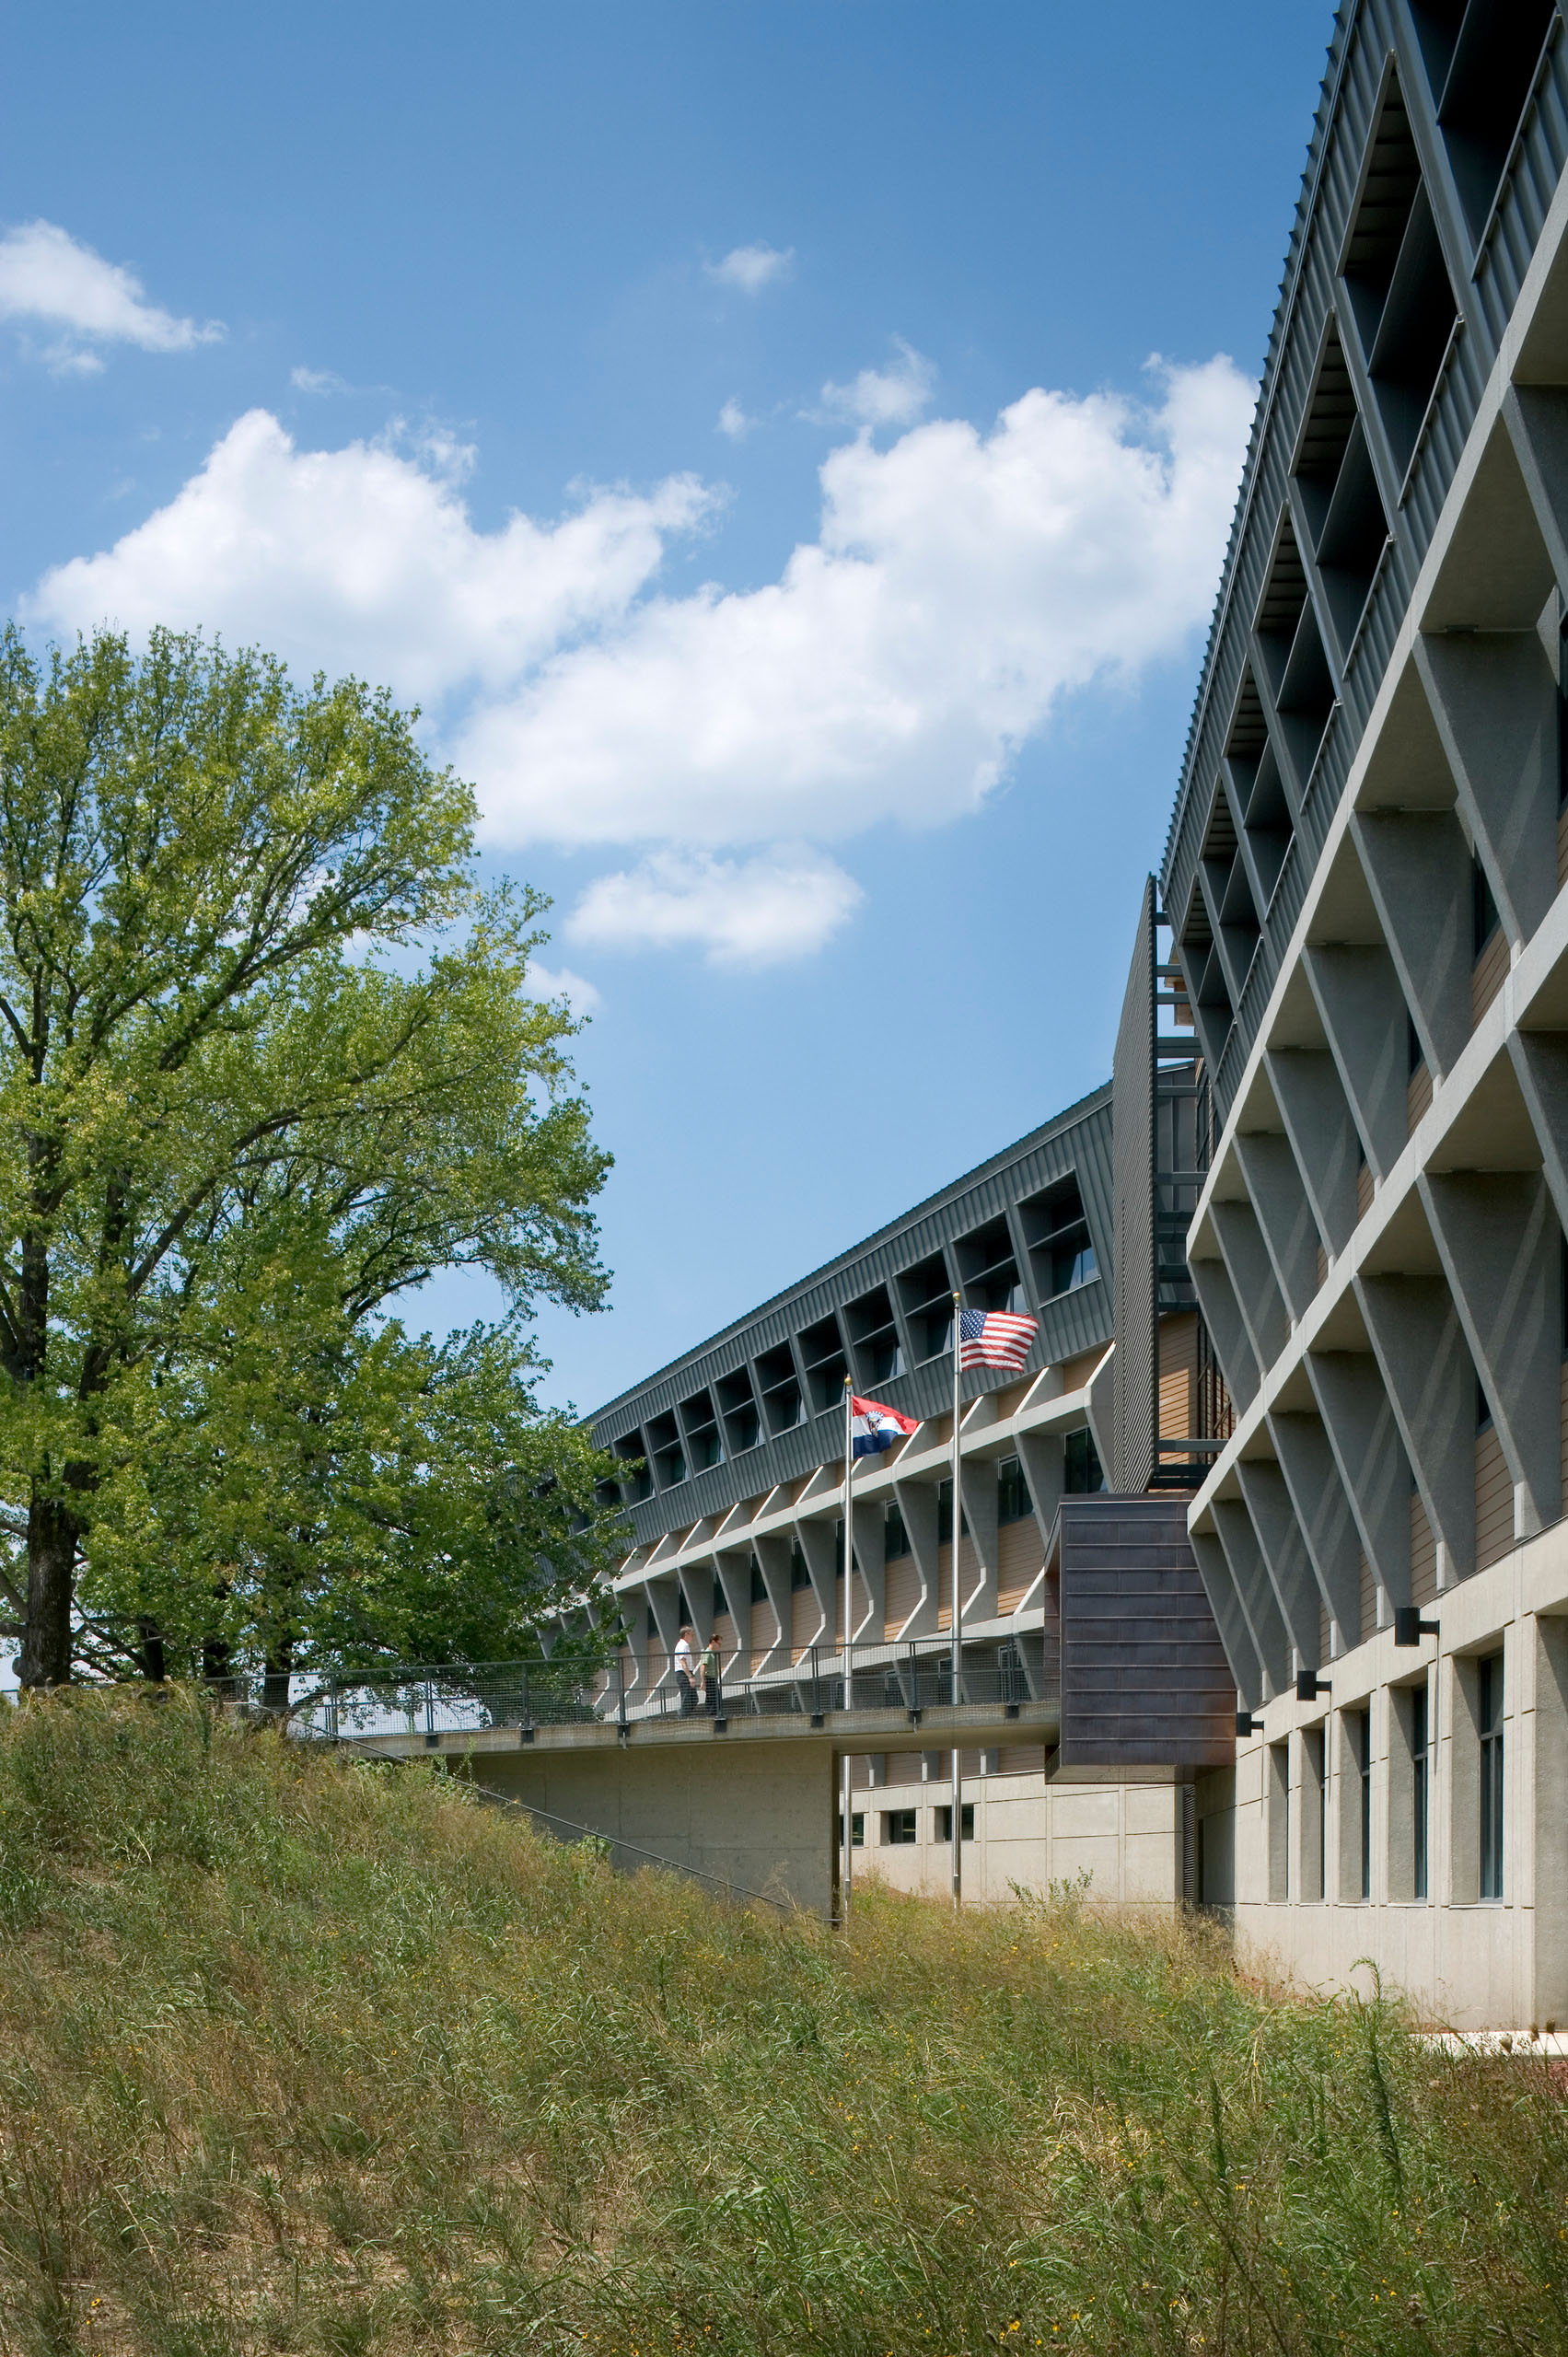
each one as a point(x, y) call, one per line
point(651, 1684)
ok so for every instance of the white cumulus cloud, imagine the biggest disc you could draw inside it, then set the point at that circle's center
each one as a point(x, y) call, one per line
point(894, 396)
point(960, 582)
point(50, 280)
point(560, 982)
point(960, 585)
point(733, 421)
point(364, 560)
point(751, 268)
point(745, 913)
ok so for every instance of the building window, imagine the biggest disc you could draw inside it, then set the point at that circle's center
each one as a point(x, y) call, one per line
point(898, 1826)
point(1072, 1265)
point(1421, 1787)
point(1489, 1723)
point(897, 1540)
point(1484, 919)
point(1081, 1471)
point(944, 1821)
point(1314, 1811)
point(857, 1829)
point(944, 1515)
point(799, 1576)
point(1279, 1822)
point(1013, 1501)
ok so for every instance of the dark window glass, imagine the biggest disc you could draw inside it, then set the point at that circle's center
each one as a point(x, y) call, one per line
point(898, 1825)
point(759, 1586)
point(1484, 919)
point(1013, 1502)
point(944, 1515)
point(799, 1576)
point(1489, 1715)
point(1071, 1264)
point(856, 1831)
point(944, 1822)
point(1420, 1767)
point(897, 1540)
point(1082, 1473)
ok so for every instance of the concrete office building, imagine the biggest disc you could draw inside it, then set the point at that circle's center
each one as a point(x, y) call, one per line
point(1301, 1270)
point(1364, 878)
point(737, 1505)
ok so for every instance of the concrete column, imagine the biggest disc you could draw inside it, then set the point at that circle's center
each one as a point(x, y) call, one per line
point(734, 1567)
point(871, 1559)
point(1285, 1216)
point(1284, 1557)
point(1328, 1526)
point(1264, 1312)
point(1364, 1014)
point(1494, 700)
point(818, 1542)
point(1549, 1781)
point(664, 1596)
point(979, 1513)
point(1315, 1113)
point(1372, 1464)
point(1418, 866)
point(1502, 1248)
point(1254, 1592)
point(1222, 1315)
point(1041, 1455)
point(1430, 1380)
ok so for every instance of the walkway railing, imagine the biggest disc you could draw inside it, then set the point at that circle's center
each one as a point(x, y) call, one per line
point(636, 1687)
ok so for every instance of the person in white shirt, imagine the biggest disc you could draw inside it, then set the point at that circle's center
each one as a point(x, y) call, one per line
point(686, 1671)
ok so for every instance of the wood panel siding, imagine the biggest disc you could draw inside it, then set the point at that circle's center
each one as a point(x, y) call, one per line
point(1325, 1632)
point(1144, 1681)
point(1424, 1554)
point(764, 1629)
point(1489, 974)
point(723, 1632)
point(1076, 1371)
point(902, 1594)
point(1021, 1760)
point(1178, 1376)
point(1322, 1268)
point(861, 1603)
point(1368, 1602)
point(1493, 1501)
point(1364, 1189)
point(1011, 1397)
point(1019, 1555)
point(1418, 1098)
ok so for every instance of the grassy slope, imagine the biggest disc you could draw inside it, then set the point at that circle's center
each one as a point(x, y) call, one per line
point(297, 2056)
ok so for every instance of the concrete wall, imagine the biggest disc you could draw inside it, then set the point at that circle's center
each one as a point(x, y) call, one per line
point(1031, 1832)
point(1472, 1962)
point(761, 1818)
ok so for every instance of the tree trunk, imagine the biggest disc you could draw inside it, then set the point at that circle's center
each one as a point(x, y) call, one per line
point(275, 1677)
point(53, 1532)
point(150, 1653)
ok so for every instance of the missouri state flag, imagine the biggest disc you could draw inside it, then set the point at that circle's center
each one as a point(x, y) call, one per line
point(994, 1338)
point(874, 1428)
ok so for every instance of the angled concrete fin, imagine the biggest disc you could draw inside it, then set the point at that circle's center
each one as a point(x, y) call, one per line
point(918, 1508)
point(1222, 1315)
point(1264, 1312)
point(1042, 1456)
point(1430, 1380)
point(1219, 1586)
point(1495, 703)
point(1418, 869)
point(1323, 1511)
point(733, 1567)
point(871, 1562)
point(1254, 1594)
point(1372, 1462)
point(1364, 1014)
point(1502, 1246)
point(1284, 1557)
point(1537, 418)
point(979, 1513)
point(1540, 1063)
point(820, 1545)
point(1315, 1113)
point(773, 1551)
point(1290, 1231)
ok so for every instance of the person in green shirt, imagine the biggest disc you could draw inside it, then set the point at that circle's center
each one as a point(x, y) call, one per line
point(708, 1667)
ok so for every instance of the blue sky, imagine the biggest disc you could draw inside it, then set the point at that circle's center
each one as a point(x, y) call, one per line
point(736, 426)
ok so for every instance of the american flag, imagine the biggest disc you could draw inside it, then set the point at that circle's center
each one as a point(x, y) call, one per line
point(994, 1338)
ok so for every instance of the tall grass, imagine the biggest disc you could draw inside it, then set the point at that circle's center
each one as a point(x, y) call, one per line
point(296, 2056)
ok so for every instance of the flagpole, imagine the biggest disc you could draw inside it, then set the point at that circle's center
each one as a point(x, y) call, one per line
point(957, 1618)
point(847, 1878)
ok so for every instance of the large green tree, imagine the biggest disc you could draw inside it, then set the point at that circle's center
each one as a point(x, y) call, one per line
point(268, 1057)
